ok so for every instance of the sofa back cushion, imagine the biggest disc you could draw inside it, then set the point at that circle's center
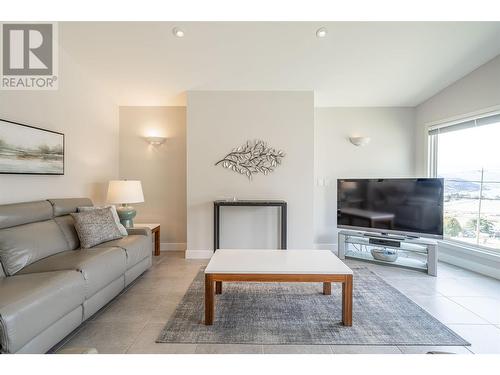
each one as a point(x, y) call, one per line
point(65, 206)
point(67, 225)
point(23, 245)
point(15, 214)
point(62, 208)
point(31, 231)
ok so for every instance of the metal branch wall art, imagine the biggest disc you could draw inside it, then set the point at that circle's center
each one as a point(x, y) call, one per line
point(251, 158)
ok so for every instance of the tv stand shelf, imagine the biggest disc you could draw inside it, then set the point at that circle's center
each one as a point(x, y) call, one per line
point(413, 253)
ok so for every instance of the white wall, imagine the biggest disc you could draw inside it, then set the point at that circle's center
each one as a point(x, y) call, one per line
point(477, 91)
point(162, 169)
point(218, 121)
point(389, 154)
point(89, 121)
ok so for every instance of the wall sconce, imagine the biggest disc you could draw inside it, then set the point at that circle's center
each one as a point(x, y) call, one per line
point(359, 141)
point(156, 141)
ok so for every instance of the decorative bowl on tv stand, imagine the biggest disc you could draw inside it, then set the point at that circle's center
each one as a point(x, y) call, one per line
point(386, 255)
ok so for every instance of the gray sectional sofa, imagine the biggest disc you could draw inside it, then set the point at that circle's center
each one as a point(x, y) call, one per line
point(48, 285)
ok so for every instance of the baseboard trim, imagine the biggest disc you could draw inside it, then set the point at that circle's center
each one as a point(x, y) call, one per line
point(199, 254)
point(173, 246)
point(462, 257)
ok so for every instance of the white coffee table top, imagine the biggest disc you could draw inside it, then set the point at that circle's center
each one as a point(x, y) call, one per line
point(276, 262)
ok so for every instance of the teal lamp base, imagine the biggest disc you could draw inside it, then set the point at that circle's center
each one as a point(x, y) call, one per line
point(126, 215)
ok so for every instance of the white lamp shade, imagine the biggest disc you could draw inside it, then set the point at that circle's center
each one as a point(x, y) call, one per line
point(125, 191)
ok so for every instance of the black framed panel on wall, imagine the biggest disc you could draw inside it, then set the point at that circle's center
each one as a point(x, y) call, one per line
point(26, 149)
point(251, 203)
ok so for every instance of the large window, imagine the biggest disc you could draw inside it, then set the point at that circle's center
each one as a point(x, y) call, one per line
point(467, 156)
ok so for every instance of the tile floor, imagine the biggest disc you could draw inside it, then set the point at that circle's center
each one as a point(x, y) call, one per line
point(465, 301)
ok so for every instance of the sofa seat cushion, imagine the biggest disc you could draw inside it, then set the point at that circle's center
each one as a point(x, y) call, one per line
point(99, 266)
point(31, 303)
point(137, 248)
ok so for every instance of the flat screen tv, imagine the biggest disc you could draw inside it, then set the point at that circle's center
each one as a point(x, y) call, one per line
point(405, 206)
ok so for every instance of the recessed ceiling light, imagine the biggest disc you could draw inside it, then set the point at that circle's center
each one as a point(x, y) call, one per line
point(179, 33)
point(321, 32)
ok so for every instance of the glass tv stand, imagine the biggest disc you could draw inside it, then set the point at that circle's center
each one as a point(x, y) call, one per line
point(413, 253)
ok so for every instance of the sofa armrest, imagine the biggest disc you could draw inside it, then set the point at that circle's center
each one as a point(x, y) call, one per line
point(139, 231)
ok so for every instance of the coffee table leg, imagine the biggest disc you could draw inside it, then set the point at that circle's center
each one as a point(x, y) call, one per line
point(209, 300)
point(327, 289)
point(347, 301)
point(218, 287)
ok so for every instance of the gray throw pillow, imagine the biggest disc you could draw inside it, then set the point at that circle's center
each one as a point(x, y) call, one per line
point(95, 227)
point(122, 229)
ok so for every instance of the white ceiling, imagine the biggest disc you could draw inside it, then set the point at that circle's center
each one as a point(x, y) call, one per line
point(357, 64)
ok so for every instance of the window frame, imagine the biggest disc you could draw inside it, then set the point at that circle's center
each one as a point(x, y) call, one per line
point(432, 146)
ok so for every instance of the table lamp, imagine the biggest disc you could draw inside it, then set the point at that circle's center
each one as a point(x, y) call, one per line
point(123, 192)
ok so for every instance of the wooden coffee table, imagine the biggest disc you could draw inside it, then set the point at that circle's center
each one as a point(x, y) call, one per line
point(277, 266)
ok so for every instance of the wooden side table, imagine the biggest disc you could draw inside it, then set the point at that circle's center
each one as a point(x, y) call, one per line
point(155, 230)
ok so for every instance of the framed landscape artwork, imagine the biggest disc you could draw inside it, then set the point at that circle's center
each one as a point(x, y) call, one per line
point(27, 149)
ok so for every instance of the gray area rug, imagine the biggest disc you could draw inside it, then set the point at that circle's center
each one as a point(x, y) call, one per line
point(298, 313)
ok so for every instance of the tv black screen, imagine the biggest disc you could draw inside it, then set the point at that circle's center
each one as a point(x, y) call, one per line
point(400, 205)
